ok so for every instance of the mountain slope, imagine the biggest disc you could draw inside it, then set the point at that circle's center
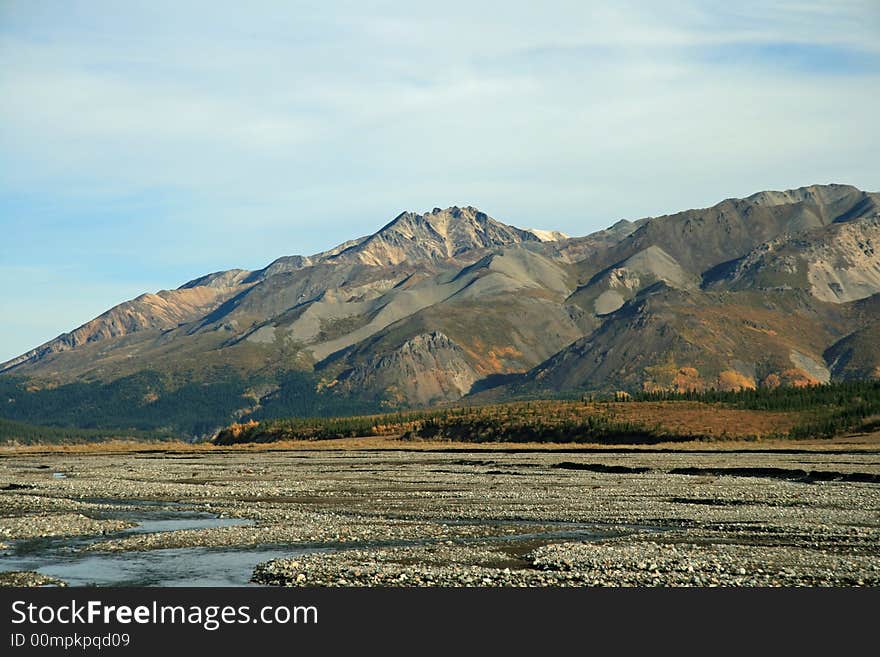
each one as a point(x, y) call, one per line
point(702, 239)
point(837, 263)
point(780, 287)
point(166, 309)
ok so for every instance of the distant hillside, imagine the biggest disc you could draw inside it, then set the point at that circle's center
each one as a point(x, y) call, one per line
point(779, 288)
point(20, 433)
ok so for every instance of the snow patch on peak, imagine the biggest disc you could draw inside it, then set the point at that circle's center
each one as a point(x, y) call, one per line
point(547, 235)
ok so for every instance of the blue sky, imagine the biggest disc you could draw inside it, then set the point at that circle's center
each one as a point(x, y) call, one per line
point(145, 143)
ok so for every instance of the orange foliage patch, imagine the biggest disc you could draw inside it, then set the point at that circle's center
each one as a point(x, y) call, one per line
point(671, 378)
point(496, 354)
point(731, 380)
point(797, 378)
point(236, 429)
point(687, 379)
point(490, 361)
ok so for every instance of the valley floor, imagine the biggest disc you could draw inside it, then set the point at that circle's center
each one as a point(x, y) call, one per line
point(749, 514)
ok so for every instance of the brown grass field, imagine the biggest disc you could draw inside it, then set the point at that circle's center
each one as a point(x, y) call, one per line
point(721, 427)
point(868, 443)
point(696, 418)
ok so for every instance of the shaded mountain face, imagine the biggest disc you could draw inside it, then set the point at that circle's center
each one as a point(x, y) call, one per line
point(425, 369)
point(776, 288)
point(749, 292)
point(837, 263)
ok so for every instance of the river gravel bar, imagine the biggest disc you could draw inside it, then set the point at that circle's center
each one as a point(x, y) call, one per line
point(481, 518)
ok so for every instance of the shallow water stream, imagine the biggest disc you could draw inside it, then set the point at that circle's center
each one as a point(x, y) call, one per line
point(65, 559)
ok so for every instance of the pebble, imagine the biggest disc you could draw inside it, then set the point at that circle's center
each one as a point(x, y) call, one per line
point(430, 519)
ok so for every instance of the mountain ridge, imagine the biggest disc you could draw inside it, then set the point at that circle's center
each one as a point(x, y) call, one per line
point(779, 286)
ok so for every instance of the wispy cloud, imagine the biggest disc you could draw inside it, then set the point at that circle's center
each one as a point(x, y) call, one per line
point(158, 140)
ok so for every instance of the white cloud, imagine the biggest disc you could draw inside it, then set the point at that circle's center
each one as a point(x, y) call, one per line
point(164, 137)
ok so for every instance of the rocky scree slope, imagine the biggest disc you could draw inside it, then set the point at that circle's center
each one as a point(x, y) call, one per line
point(775, 288)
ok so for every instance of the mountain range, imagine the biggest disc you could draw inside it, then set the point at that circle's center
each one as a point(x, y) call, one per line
point(778, 288)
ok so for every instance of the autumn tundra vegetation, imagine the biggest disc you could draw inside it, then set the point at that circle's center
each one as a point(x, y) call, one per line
point(792, 412)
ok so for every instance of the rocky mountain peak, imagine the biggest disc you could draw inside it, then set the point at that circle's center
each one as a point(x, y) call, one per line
point(816, 194)
point(437, 305)
point(440, 220)
point(438, 235)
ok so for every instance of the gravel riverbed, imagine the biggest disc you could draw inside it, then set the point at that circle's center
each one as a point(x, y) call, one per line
point(407, 518)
